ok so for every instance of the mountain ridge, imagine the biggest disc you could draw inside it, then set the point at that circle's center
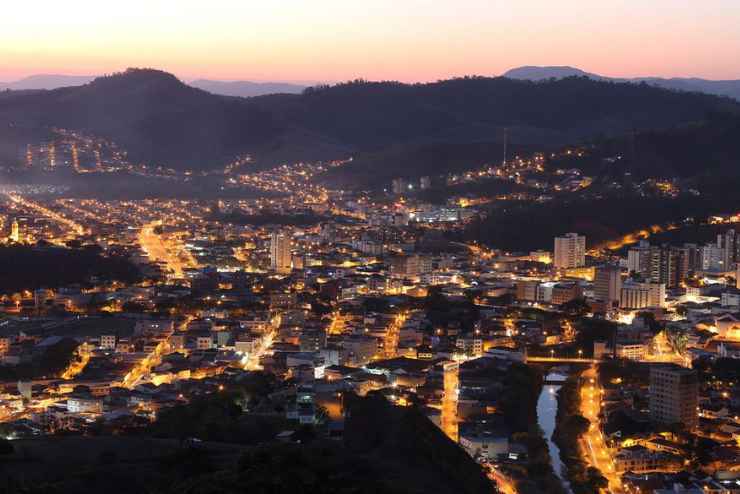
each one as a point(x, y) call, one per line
point(730, 87)
point(241, 88)
point(161, 120)
point(246, 89)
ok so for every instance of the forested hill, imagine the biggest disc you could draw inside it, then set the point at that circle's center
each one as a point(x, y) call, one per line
point(160, 120)
point(697, 150)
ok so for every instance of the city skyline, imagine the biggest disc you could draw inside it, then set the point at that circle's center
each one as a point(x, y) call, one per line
point(332, 41)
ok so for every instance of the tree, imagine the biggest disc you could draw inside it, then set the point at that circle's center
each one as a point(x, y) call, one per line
point(596, 480)
point(6, 447)
point(578, 307)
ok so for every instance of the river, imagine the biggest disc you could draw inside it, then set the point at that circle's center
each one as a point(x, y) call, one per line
point(547, 409)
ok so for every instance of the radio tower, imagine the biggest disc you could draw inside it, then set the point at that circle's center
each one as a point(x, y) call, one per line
point(506, 138)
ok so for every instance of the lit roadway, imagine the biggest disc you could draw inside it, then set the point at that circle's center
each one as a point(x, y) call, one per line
point(77, 366)
point(75, 227)
point(564, 360)
point(390, 345)
point(504, 483)
point(167, 250)
point(337, 323)
point(252, 362)
point(593, 447)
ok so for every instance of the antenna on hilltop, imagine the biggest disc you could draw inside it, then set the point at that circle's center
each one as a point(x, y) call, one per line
point(506, 138)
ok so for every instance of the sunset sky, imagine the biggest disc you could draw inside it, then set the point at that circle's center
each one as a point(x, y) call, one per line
point(334, 40)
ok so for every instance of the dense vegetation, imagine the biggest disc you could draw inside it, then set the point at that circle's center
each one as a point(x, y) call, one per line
point(160, 120)
point(48, 364)
point(684, 151)
point(376, 169)
point(571, 425)
point(221, 417)
point(385, 449)
point(601, 218)
point(28, 268)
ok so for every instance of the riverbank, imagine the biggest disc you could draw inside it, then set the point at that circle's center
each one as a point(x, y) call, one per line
point(547, 410)
point(570, 428)
point(520, 406)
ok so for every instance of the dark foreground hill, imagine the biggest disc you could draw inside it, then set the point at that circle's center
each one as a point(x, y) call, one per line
point(699, 149)
point(386, 451)
point(158, 119)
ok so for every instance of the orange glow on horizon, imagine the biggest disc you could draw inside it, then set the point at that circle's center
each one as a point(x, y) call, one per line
point(332, 40)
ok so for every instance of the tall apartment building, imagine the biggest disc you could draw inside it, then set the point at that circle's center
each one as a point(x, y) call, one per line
point(280, 260)
point(665, 264)
point(721, 255)
point(570, 251)
point(407, 266)
point(674, 395)
point(608, 284)
point(729, 242)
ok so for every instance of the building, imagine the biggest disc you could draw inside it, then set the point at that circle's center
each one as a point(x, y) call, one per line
point(204, 342)
point(656, 294)
point(608, 285)
point(358, 350)
point(638, 258)
point(527, 290)
point(280, 260)
point(565, 292)
point(485, 445)
point(665, 264)
point(631, 350)
point(570, 251)
point(638, 459)
point(405, 266)
point(642, 295)
point(15, 231)
point(80, 403)
point(400, 186)
point(312, 340)
point(470, 346)
point(108, 341)
point(729, 242)
point(673, 395)
point(4, 344)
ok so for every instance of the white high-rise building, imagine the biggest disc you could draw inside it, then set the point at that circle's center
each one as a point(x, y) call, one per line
point(570, 251)
point(280, 260)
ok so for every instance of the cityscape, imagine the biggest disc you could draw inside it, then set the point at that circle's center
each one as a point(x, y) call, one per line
point(367, 297)
point(526, 283)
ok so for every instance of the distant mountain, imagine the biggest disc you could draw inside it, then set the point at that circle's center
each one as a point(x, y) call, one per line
point(246, 89)
point(161, 120)
point(536, 73)
point(729, 88)
point(226, 88)
point(46, 81)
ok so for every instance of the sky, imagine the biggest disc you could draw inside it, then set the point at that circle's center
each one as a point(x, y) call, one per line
point(337, 40)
